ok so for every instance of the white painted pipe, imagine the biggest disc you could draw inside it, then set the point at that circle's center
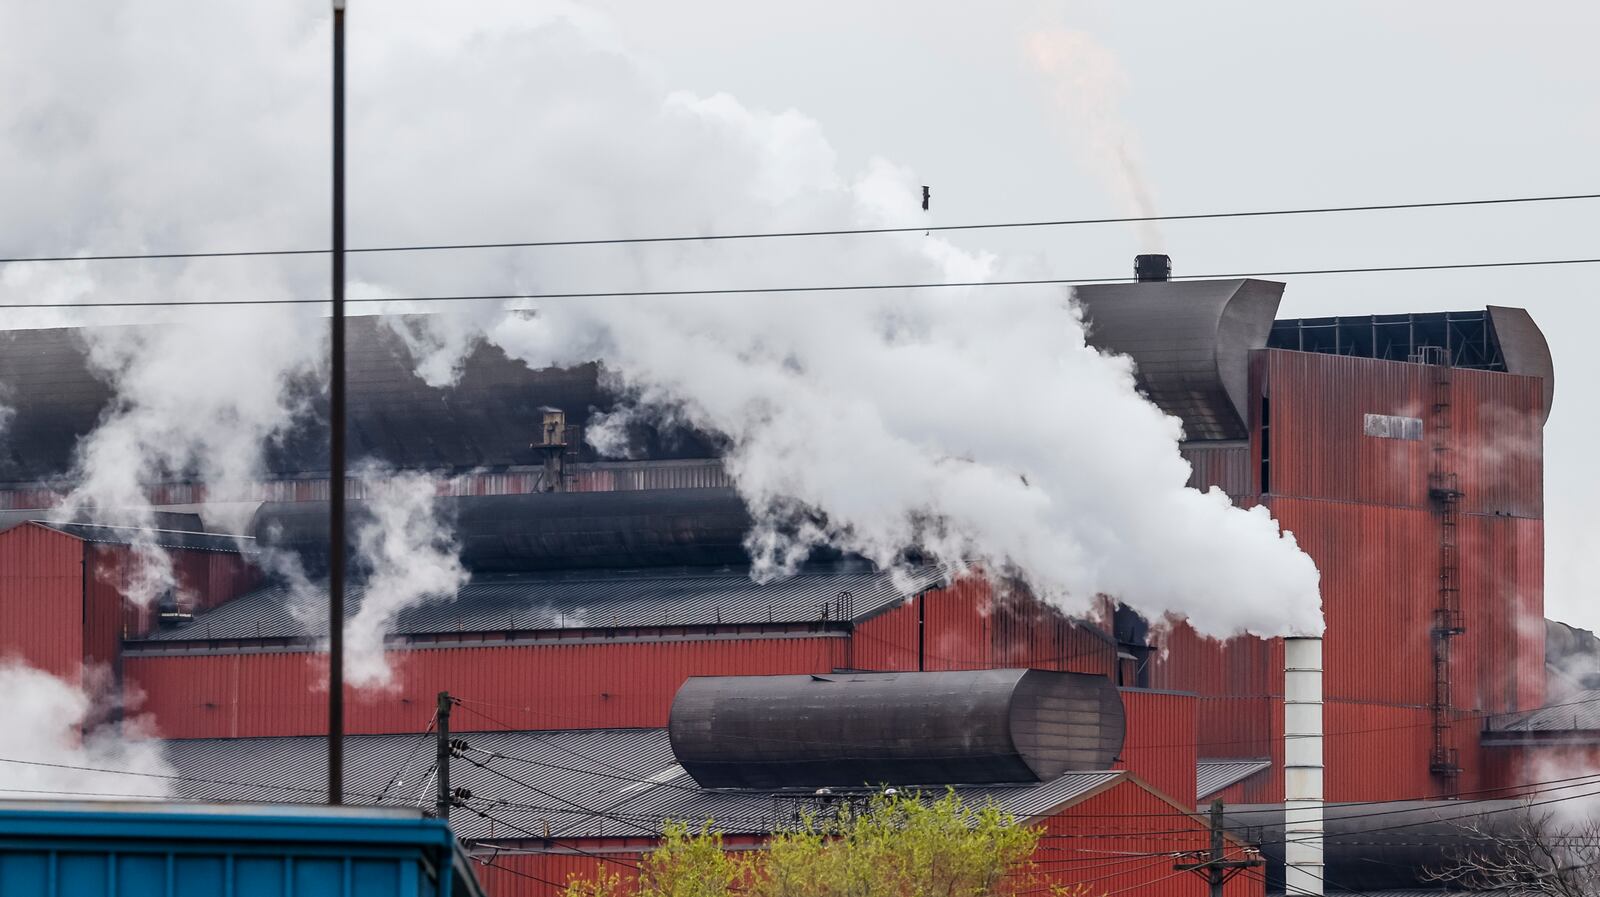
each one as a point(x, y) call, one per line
point(1302, 766)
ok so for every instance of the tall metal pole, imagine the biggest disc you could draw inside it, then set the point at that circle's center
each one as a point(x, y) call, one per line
point(1216, 877)
point(336, 423)
point(441, 759)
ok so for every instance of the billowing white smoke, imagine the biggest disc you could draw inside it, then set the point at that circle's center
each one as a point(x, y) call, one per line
point(410, 556)
point(1090, 84)
point(973, 423)
point(196, 400)
point(109, 143)
point(51, 758)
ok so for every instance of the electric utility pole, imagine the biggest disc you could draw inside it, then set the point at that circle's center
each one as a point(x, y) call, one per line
point(441, 759)
point(1216, 869)
point(336, 424)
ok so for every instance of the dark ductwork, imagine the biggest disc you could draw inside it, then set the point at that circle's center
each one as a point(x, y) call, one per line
point(1190, 342)
point(851, 730)
point(1390, 845)
point(643, 528)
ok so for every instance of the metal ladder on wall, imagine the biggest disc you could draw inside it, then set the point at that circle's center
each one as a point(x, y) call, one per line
point(1444, 489)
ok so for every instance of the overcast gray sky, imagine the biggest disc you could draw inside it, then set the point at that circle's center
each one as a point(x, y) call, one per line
point(1010, 110)
point(1232, 105)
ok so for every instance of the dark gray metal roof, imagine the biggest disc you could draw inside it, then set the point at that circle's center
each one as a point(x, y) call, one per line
point(592, 599)
point(128, 535)
point(1578, 712)
point(903, 728)
point(1191, 342)
point(487, 420)
point(552, 530)
point(575, 783)
point(1212, 774)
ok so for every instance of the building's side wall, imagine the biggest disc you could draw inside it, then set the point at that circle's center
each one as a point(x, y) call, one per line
point(1552, 771)
point(1120, 841)
point(561, 686)
point(41, 600)
point(1359, 505)
point(1159, 746)
point(1124, 840)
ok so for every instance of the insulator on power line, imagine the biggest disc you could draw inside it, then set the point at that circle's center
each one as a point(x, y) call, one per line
point(458, 746)
point(463, 794)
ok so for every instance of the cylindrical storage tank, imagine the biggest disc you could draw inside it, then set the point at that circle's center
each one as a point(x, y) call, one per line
point(865, 729)
point(1302, 765)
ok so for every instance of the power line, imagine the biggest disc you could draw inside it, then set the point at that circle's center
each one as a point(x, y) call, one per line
point(838, 232)
point(823, 288)
point(170, 777)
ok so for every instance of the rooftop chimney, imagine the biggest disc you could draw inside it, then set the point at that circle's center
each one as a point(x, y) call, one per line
point(1152, 268)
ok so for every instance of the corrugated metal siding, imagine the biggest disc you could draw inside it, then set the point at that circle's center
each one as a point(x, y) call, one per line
point(1380, 585)
point(957, 626)
point(1216, 777)
point(1226, 465)
point(531, 686)
point(614, 476)
point(1121, 841)
point(706, 474)
point(1381, 753)
point(519, 874)
point(1028, 632)
point(887, 641)
point(1159, 746)
point(1500, 658)
point(1320, 450)
point(1233, 678)
point(968, 625)
point(104, 609)
point(1528, 769)
point(41, 599)
point(1498, 422)
point(205, 580)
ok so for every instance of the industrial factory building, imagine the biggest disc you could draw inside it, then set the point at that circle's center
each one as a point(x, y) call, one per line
point(614, 665)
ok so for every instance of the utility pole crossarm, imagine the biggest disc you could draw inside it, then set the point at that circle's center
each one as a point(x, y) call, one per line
point(1217, 869)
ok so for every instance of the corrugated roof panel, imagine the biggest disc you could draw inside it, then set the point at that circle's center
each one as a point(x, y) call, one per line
point(129, 535)
point(574, 783)
point(589, 599)
point(1214, 774)
point(1579, 712)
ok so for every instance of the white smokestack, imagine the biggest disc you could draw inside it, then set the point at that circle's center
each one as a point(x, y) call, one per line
point(1302, 765)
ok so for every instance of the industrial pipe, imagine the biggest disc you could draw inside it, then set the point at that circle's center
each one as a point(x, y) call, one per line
point(1302, 766)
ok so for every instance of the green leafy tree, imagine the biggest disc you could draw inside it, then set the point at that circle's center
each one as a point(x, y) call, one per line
point(896, 845)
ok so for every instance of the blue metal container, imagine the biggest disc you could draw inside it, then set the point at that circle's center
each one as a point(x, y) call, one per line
point(177, 850)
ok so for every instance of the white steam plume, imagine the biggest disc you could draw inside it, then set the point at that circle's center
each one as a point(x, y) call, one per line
point(193, 401)
point(56, 760)
point(410, 556)
point(976, 424)
point(1090, 84)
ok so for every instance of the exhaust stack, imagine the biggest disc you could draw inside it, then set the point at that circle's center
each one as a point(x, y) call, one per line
point(1302, 766)
point(1152, 268)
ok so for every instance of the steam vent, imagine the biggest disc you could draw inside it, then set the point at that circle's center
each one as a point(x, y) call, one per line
point(612, 664)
